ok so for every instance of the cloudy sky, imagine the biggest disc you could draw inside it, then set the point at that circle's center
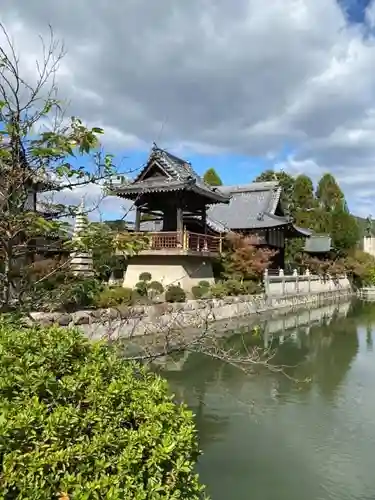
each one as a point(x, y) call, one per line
point(240, 85)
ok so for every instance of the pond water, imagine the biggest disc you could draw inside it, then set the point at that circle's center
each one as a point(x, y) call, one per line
point(308, 434)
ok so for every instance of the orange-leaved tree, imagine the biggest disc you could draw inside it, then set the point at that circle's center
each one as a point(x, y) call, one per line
point(245, 259)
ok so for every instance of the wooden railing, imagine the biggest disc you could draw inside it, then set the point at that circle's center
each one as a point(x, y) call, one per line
point(185, 240)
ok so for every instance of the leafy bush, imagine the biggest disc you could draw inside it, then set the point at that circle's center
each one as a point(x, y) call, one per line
point(79, 422)
point(145, 277)
point(251, 287)
point(156, 286)
point(175, 293)
point(77, 293)
point(141, 288)
point(234, 287)
point(65, 292)
point(204, 284)
point(198, 291)
point(218, 290)
point(110, 297)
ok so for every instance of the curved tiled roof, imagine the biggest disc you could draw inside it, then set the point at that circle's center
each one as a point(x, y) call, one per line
point(178, 175)
point(251, 206)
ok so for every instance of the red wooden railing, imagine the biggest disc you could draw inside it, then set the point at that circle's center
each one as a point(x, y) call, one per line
point(185, 241)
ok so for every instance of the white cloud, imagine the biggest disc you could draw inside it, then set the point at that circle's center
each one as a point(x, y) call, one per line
point(246, 76)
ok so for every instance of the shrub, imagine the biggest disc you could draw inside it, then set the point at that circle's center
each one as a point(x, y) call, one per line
point(218, 290)
point(156, 286)
point(175, 293)
point(141, 288)
point(110, 297)
point(251, 287)
point(74, 293)
point(198, 291)
point(145, 277)
point(234, 287)
point(204, 284)
point(79, 422)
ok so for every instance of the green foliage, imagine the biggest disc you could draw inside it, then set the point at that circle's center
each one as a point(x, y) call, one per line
point(201, 290)
point(113, 296)
point(234, 287)
point(146, 288)
point(175, 293)
point(361, 267)
point(145, 277)
point(198, 292)
point(35, 159)
point(251, 287)
point(328, 193)
point(156, 286)
point(141, 288)
point(62, 291)
point(204, 284)
point(218, 290)
point(106, 242)
point(77, 421)
point(77, 293)
point(212, 178)
point(344, 230)
point(303, 194)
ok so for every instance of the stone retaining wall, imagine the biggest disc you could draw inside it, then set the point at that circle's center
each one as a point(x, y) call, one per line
point(126, 321)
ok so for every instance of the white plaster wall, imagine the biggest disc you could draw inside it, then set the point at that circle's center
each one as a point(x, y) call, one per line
point(170, 270)
point(369, 245)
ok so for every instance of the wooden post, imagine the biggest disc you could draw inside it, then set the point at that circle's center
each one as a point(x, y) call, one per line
point(185, 240)
point(220, 243)
point(180, 228)
point(137, 226)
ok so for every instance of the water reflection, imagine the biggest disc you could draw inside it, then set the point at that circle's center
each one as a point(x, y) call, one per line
point(310, 432)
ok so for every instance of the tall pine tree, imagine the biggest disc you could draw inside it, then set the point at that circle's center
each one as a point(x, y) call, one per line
point(212, 178)
point(334, 217)
point(329, 193)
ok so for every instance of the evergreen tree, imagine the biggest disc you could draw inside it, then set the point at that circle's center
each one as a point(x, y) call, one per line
point(344, 229)
point(212, 178)
point(303, 194)
point(329, 193)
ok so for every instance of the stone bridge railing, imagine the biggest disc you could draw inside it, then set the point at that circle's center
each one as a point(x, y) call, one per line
point(281, 284)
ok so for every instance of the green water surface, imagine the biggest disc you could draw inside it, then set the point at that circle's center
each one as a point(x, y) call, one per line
point(268, 436)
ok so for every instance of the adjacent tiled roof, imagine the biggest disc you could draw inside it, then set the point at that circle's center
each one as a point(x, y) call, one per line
point(318, 243)
point(251, 206)
point(179, 175)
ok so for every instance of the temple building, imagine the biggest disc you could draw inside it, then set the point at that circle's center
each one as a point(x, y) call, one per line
point(255, 209)
point(20, 187)
point(318, 245)
point(181, 250)
point(187, 220)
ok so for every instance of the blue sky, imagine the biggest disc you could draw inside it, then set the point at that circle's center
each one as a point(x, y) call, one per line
point(233, 169)
point(355, 9)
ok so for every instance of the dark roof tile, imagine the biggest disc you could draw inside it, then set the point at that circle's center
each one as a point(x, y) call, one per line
point(251, 206)
point(179, 175)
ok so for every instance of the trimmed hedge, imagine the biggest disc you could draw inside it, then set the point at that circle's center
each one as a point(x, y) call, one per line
point(79, 422)
point(175, 293)
point(113, 296)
